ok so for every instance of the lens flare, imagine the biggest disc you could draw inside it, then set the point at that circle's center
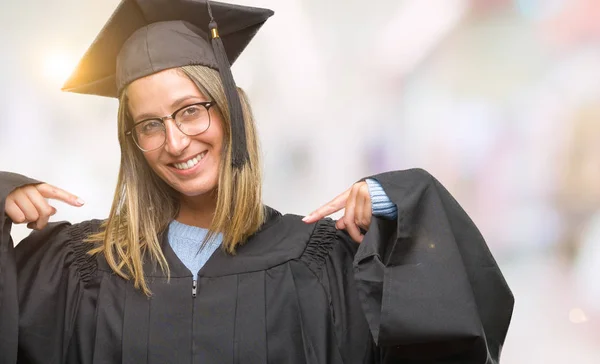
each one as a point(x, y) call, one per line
point(57, 66)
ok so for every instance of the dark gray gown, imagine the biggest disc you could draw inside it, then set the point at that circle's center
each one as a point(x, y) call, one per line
point(421, 289)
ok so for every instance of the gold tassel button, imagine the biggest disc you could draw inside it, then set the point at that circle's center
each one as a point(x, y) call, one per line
point(215, 33)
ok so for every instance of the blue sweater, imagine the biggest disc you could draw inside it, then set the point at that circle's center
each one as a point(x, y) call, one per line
point(186, 240)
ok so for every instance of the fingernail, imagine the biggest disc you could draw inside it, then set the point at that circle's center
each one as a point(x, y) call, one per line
point(80, 201)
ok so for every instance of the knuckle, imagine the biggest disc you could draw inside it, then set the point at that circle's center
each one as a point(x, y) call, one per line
point(364, 188)
point(14, 213)
point(44, 187)
point(19, 219)
point(46, 210)
point(32, 216)
point(351, 225)
point(18, 194)
point(28, 190)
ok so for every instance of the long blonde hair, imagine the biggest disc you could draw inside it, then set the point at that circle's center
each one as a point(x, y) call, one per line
point(144, 205)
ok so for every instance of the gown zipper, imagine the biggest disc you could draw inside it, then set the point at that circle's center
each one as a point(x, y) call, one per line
point(194, 292)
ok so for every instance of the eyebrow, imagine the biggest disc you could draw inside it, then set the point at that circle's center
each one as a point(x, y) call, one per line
point(175, 105)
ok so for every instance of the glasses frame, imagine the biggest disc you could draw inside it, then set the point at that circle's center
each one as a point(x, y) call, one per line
point(207, 105)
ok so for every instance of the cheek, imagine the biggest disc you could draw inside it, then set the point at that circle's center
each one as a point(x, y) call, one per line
point(219, 133)
point(151, 159)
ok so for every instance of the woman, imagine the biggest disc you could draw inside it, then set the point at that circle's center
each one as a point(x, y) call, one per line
point(150, 283)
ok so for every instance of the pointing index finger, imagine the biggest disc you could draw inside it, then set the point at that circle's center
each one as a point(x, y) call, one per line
point(55, 193)
point(329, 208)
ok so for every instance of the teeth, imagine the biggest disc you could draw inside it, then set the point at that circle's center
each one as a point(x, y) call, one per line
point(190, 163)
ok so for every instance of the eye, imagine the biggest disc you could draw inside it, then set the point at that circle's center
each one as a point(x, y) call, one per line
point(191, 111)
point(150, 127)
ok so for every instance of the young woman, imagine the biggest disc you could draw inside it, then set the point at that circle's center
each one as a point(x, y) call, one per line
point(191, 267)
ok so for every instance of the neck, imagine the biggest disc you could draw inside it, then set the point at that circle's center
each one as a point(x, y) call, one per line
point(197, 210)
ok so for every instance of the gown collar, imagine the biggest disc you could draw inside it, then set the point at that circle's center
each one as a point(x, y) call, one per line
point(255, 254)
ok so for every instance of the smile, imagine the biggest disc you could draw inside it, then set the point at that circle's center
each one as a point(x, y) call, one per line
point(190, 162)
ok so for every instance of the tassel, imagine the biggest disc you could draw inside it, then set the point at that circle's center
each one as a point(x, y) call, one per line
point(238, 129)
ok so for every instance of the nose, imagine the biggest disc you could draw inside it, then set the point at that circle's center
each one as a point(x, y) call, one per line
point(175, 140)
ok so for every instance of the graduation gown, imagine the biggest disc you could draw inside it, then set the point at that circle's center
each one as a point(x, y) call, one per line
point(423, 288)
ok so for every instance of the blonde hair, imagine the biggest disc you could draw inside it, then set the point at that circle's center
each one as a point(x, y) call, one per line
point(144, 205)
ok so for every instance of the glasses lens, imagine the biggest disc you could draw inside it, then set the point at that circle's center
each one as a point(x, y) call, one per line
point(193, 120)
point(149, 135)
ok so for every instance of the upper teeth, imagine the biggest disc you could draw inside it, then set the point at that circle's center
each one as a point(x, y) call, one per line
point(190, 162)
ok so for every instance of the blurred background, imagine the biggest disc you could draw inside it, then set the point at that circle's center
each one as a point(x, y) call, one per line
point(499, 99)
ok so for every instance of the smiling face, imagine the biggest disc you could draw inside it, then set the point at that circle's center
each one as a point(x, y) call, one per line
point(189, 164)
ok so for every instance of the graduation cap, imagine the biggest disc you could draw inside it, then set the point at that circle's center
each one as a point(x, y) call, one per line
point(143, 37)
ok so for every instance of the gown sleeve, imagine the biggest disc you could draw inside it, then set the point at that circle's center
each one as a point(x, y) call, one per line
point(40, 285)
point(428, 285)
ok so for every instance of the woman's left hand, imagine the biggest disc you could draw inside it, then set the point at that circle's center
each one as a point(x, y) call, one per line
point(357, 215)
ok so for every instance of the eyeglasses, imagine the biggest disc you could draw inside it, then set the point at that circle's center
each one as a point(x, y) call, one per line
point(191, 120)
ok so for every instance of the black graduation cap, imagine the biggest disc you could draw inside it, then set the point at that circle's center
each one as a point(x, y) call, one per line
point(143, 37)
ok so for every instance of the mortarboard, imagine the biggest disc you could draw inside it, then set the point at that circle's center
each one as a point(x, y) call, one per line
point(143, 37)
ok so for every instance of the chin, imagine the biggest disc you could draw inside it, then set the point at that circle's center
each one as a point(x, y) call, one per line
point(196, 191)
point(194, 188)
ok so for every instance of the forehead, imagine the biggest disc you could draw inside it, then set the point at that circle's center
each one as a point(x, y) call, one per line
point(160, 91)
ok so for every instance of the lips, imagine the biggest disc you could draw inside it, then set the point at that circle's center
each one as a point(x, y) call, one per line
point(190, 162)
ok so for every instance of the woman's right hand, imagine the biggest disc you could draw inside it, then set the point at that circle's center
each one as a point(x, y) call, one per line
point(28, 204)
